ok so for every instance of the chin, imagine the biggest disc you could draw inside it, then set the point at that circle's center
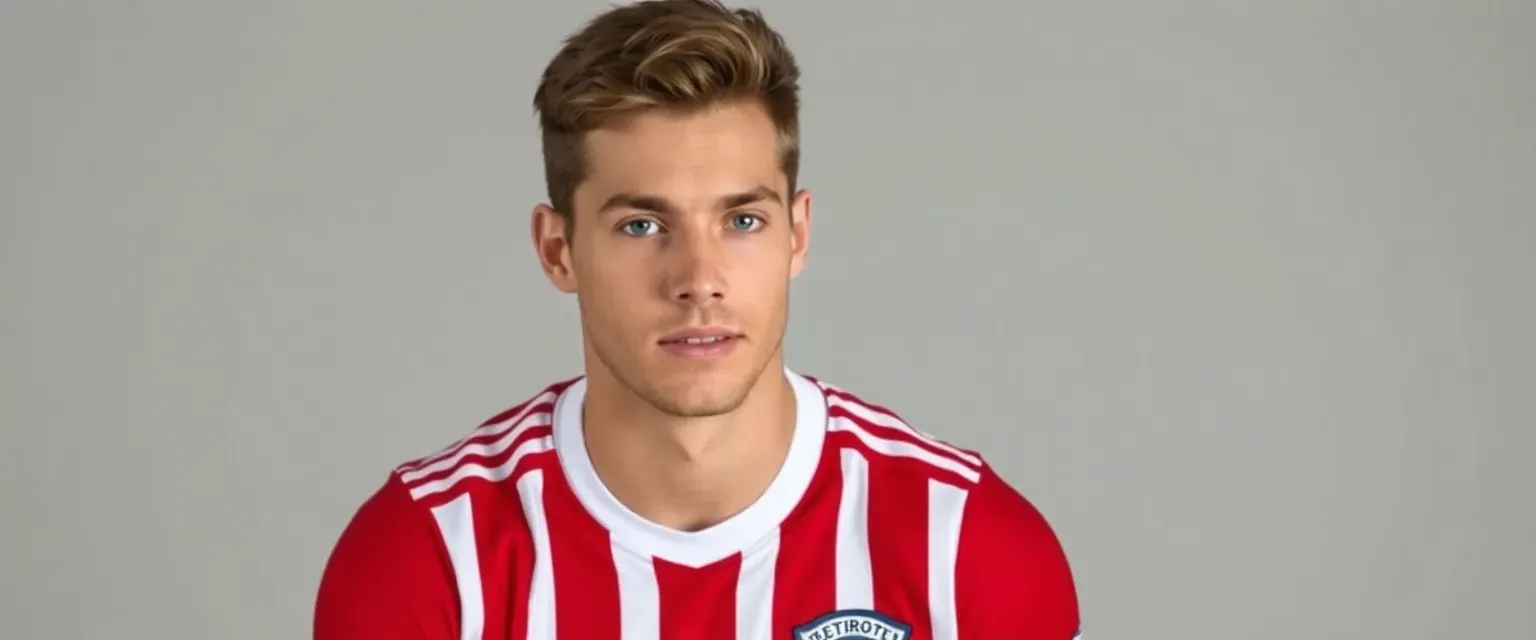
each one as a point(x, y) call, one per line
point(700, 393)
point(696, 407)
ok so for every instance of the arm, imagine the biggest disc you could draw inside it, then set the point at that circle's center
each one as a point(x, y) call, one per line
point(1012, 576)
point(388, 577)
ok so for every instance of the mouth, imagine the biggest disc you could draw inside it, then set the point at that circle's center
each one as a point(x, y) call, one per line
point(702, 335)
point(701, 343)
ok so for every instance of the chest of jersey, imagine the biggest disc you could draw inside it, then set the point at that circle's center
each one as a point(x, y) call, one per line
point(858, 558)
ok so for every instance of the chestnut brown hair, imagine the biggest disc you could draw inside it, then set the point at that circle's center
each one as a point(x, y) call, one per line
point(661, 54)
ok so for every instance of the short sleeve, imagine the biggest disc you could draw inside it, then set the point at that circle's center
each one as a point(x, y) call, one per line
point(387, 578)
point(1012, 576)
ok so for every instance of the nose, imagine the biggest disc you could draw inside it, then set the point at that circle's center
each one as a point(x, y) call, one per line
point(698, 275)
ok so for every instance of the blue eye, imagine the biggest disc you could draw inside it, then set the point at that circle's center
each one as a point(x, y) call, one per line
point(746, 222)
point(637, 228)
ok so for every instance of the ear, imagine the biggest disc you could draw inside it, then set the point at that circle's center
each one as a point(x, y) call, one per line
point(800, 231)
point(552, 244)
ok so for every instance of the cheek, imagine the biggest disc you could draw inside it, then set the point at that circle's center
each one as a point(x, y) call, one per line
point(606, 265)
point(760, 278)
point(614, 284)
point(763, 253)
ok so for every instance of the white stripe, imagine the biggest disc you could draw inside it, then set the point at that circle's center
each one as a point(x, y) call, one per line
point(902, 448)
point(946, 510)
point(868, 414)
point(754, 591)
point(541, 593)
point(483, 449)
point(477, 470)
point(485, 429)
point(639, 596)
point(456, 521)
point(855, 580)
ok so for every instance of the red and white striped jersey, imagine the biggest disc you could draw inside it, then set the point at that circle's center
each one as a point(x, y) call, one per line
point(871, 530)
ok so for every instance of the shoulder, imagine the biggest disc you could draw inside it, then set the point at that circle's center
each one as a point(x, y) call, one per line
point(892, 445)
point(1012, 574)
point(388, 570)
point(895, 447)
point(1012, 578)
point(394, 565)
point(489, 457)
point(493, 452)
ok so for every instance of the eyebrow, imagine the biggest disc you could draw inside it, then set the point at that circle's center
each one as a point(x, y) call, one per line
point(658, 204)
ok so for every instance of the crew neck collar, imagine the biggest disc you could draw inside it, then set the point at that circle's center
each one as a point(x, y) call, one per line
point(706, 546)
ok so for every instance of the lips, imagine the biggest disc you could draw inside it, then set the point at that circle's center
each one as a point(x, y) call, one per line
point(699, 340)
point(703, 336)
point(703, 343)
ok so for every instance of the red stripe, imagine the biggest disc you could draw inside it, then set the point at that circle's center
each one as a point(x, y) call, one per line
point(804, 584)
point(586, 580)
point(501, 532)
point(698, 603)
point(514, 548)
point(898, 546)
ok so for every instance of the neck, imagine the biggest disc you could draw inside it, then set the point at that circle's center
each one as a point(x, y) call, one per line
point(688, 473)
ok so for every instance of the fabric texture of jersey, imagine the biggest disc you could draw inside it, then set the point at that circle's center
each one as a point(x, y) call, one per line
point(871, 530)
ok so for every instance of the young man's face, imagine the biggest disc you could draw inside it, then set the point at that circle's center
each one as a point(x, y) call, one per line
point(684, 243)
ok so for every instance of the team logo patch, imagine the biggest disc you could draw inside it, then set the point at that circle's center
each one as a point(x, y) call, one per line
point(853, 624)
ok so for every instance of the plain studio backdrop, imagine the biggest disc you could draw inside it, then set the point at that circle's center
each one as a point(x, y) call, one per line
point(1241, 295)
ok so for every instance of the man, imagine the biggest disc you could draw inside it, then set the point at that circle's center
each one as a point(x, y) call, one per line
point(689, 485)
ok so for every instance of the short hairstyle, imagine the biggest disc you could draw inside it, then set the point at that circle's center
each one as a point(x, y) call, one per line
point(667, 54)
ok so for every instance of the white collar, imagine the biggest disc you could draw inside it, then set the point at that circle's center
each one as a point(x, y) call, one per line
point(694, 548)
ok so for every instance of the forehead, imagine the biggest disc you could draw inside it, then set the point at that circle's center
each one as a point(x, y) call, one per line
point(683, 156)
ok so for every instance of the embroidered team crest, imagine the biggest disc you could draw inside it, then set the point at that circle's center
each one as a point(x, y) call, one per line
point(853, 624)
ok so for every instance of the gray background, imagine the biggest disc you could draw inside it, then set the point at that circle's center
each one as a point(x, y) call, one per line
point(1240, 294)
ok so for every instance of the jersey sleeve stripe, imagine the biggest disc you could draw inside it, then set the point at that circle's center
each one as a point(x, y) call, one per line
point(476, 469)
point(542, 403)
point(876, 415)
point(900, 448)
point(891, 432)
point(483, 448)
